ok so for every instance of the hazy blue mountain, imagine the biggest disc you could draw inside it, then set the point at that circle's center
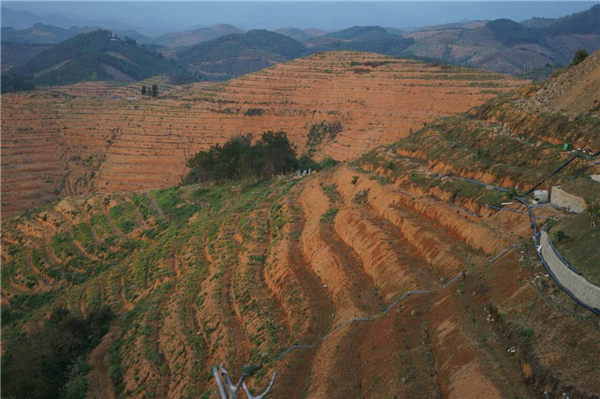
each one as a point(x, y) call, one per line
point(18, 19)
point(363, 33)
point(363, 38)
point(586, 22)
point(504, 45)
point(24, 19)
point(15, 53)
point(197, 35)
point(40, 34)
point(302, 35)
point(537, 22)
point(238, 54)
point(165, 16)
point(48, 34)
point(509, 32)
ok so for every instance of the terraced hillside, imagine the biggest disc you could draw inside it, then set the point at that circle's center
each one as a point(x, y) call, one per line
point(89, 138)
point(394, 275)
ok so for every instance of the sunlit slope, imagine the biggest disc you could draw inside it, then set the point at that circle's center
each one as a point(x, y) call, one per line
point(89, 138)
point(239, 274)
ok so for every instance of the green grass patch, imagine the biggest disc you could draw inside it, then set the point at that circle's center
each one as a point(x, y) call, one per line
point(577, 241)
point(329, 215)
point(331, 192)
point(83, 233)
point(124, 216)
point(63, 247)
point(23, 305)
point(143, 205)
point(170, 201)
point(99, 223)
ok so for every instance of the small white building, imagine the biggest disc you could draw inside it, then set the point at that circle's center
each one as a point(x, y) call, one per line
point(541, 195)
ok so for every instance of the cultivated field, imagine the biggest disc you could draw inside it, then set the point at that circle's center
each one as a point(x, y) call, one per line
point(406, 272)
point(90, 138)
point(239, 274)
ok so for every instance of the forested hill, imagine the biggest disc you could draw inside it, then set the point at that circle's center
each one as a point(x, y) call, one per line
point(97, 55)
point(238, 54)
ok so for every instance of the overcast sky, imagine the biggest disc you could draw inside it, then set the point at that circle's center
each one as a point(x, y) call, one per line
point(329, 15)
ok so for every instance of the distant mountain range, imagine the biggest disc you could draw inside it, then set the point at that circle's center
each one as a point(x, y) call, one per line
point(365, 33)
point(40, 33)
point(24, 19)
point(506, 46)
point(195, 36)
point(13, 54)
point(374, 39)
point(534, 47)
point(302, 35)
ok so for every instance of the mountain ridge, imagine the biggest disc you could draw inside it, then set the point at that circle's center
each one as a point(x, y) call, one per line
point(197, 35)
point(533, 48)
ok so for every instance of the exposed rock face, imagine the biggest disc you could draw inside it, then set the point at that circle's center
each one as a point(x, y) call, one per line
point(571, 202)
point(575, 90)
point(578, 285)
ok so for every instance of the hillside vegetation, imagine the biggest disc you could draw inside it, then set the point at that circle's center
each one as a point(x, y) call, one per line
point(397, 240)
point(13, 54)
point(238, 54)
point(362, 33)
point(98, 55)
point(239, 158)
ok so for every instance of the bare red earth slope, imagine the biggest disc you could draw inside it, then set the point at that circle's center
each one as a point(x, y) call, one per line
point(89, 138)
point(397, 275)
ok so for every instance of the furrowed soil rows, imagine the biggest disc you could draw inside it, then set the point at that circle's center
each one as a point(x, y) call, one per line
point(88, 138)
point(404, 273)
